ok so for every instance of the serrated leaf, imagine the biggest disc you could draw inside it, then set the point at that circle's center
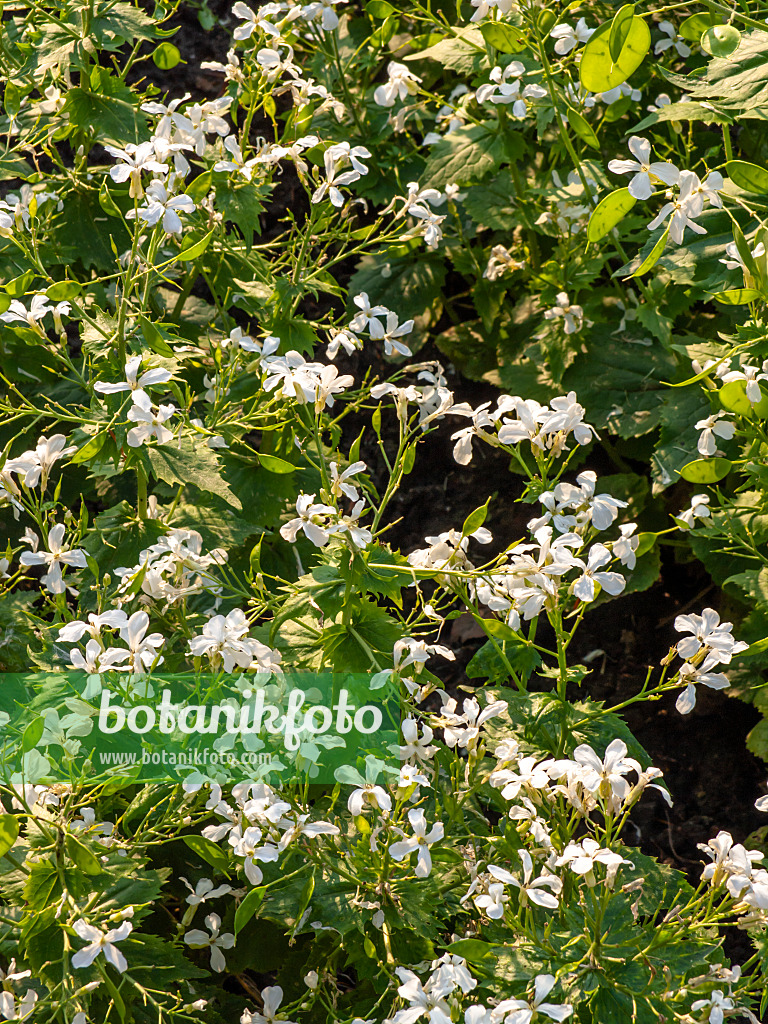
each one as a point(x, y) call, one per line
point(191, 463)
point(609, 212)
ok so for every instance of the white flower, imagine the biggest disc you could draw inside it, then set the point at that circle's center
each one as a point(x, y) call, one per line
point(199, 939)
point(225, 641)
point(310, 519)
point(683, 209)
point(691, 674)
point(673, 39)
point(369, 795)
point(518, 1011)
point(401, 83)
point(612, 582)
point(204, 890)
point(606, 777)
point(323, 11)
point(484, 7)
point(415, 746)
point(339, 481)
point(37, 463)
point(531, 889)
point(391, 334)
point(733, 256)
point(150, 423)
point(710, 634)
point(501, 261)
point(646, 174)
point(626, 546)
point(135, 160)
point(56, 556)
point(751, 375)
point(271, 998)
point(238, 163)
point(716, 425)
point(99, 942)
point(334, 158)
point(131, 383)
point(572, 315)
point(199, 119)
point(584, 855)
point(160, 205)
point(699, 510)
point(362, 321)
point(142, 650)
point(420, 841)
point(38, 307)
point(568, 38)
point(424, 1000)
point(505, 87)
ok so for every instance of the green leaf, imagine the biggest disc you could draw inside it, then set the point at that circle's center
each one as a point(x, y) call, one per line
point(209, 852)
point(166, 56)
point(504, 37)
point(248, 908)
point(5, 301)
point(9, 832)
point(463, 52)
point(109, 117)
point(379, 9)
point(154, 338)
point(194, 464)
point(738, 296)
point(721, 40)
point(609, 212)
point(620, 26)
point(748, 176)
point(583, 128)
point(191, 250)
point(31, 735)
point(63, 290)
point(733, 398)
point(683, 111)
point(89, 449)
point(598, 70)
point(464, 156)
point(475, 520)
point(651, 259)
point(694, 25)
point(472, 950)
point(736, 83)
point(706, 471)
point(82, 856)
point(275, 465)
